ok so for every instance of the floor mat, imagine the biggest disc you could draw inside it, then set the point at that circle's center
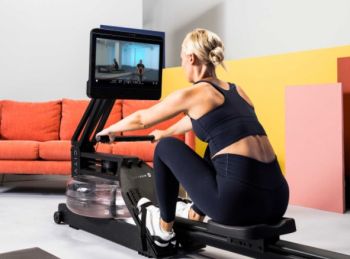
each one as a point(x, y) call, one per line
point(30, 253)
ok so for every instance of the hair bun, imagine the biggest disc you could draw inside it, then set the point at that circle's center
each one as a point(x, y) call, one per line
point(216, 55)
point(206, 45)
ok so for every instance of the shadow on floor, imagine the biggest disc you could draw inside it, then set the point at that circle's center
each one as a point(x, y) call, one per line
point(34, 190)
point(34, 184)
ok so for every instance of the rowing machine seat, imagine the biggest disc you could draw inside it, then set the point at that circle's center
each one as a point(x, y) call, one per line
point(260, 231)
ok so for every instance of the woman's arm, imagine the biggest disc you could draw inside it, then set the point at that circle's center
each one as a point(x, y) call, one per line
point(172, 105)
point(178, 128)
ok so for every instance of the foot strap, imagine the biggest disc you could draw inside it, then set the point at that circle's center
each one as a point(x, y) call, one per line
point(184, 200)
point(143, 225)
point(162, 241)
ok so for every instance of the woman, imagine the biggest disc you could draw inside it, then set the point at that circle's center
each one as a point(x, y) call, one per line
point(239, 181)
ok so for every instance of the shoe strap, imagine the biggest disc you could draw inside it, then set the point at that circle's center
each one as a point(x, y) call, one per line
point(146, 204)
point(184, 200)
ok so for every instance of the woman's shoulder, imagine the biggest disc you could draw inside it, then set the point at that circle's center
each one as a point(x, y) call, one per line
point(195, 93)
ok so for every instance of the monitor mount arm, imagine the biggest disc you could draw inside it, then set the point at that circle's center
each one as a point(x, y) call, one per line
point(85, 159)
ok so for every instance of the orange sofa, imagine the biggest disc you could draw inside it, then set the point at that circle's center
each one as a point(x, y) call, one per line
point(35, 137)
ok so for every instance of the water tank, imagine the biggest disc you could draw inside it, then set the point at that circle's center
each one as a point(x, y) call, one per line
point(96, 197)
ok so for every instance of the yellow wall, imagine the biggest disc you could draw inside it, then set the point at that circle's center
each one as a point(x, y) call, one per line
point(264, 80)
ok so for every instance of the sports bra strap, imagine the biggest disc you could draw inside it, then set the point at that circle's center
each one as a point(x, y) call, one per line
point(219, 88)
point(213, 84)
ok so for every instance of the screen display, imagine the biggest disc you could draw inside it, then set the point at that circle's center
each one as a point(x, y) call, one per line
point(126, 63)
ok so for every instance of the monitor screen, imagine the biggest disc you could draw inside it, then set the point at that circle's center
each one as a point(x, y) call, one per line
point(125, 65)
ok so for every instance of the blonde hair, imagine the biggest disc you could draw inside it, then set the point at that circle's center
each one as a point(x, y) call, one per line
point(206, 45)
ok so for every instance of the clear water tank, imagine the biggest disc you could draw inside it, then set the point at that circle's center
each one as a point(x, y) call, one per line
point(96, 197)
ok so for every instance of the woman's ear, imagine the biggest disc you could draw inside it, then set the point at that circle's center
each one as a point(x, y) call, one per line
point(192, 58)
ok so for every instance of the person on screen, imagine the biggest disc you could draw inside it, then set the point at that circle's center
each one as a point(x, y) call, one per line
point(116, 65)
point(140, 69)
point(239, 180)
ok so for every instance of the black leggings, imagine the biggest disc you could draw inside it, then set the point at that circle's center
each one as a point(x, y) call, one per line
point(230, 189)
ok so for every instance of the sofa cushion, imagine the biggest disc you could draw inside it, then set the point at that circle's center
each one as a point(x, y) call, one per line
point(103, 148)
point(143, 150)
point(60, 150)
point(72, 112)
point(56, 150)
point(130, 106)
point(115, 115)
point(38, 121)
point(19, 150)
point(35, 167)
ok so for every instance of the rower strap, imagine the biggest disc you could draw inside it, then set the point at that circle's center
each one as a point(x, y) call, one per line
point(184, 200)
point(162, 241)
point(143, 225)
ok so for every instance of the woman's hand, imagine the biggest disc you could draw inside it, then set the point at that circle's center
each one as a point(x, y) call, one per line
point(106, 132)
point(158, 135)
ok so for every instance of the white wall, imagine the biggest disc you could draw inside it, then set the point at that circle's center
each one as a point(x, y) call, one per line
point(252, 28)
point(44, 44)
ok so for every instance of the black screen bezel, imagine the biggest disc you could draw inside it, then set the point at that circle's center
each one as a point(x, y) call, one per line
point(107, 90)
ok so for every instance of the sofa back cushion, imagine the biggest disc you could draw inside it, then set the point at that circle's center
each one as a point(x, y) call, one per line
point(38, 121)
point(72, 112)
point(143, 150)
point(130, 106)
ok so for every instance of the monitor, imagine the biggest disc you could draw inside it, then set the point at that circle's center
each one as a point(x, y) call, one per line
point(125, 65)
point(141, 31)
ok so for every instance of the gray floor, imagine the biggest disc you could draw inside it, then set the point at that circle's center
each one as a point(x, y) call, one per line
point(27, 205)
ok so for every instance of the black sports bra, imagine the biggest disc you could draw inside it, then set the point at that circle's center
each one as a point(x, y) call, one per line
point(227, 123)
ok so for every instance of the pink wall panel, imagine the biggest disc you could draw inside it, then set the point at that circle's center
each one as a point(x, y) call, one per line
point(344, 78)
point(314, 146)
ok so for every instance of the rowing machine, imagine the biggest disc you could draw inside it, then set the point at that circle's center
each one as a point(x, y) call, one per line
point(134, 177)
